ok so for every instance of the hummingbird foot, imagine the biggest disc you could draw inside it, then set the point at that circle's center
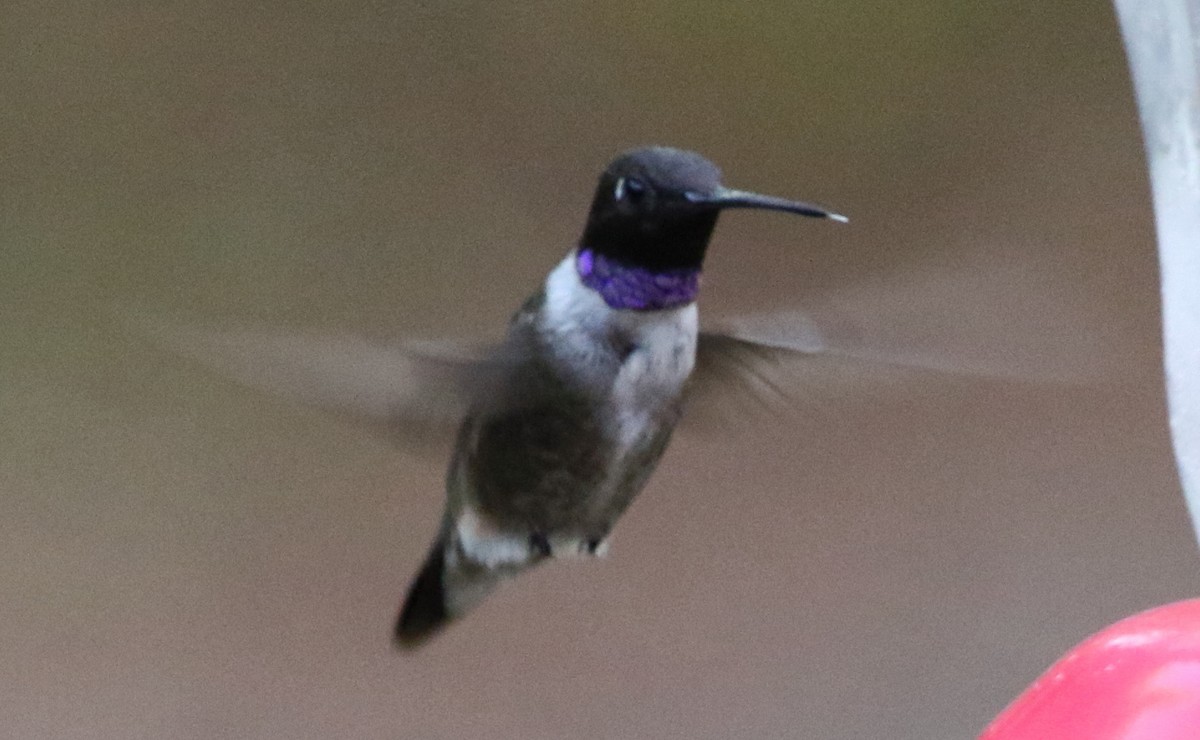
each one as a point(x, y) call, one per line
point(574, 546)
point(539, 545)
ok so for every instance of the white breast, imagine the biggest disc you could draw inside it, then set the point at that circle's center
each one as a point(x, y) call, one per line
point(663, 348)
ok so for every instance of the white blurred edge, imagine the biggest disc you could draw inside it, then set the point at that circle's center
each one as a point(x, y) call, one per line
point(1162, 41)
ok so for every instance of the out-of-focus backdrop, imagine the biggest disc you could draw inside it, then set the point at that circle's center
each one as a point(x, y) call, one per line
point(181, 557)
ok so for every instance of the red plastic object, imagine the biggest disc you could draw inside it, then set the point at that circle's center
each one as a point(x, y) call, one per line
point(1137, 680)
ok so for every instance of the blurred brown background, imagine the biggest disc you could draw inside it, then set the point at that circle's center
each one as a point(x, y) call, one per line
point(184, 558)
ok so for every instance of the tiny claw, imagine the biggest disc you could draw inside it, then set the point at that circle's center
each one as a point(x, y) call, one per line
point(540, 545)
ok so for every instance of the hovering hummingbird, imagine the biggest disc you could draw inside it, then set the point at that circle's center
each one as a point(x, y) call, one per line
point(562, 423)
point(576, 406)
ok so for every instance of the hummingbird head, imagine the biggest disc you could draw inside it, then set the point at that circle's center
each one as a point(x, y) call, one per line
point(655, 209)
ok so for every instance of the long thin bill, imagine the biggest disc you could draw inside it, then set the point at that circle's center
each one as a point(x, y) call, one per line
point(730, 198)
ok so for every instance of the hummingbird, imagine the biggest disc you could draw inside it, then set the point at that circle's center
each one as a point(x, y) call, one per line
point(561, 423)
point(571, 413)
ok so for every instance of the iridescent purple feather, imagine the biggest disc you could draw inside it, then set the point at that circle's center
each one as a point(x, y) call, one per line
point(636, 288)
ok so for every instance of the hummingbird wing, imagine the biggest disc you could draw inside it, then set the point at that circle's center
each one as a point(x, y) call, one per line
point(774, 365)
point(739, 380)
point(418, 391)
point(414, 391)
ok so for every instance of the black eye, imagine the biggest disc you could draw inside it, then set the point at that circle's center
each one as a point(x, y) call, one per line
point(629, 188)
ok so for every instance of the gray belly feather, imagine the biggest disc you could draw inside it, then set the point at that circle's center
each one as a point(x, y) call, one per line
point(559, 453)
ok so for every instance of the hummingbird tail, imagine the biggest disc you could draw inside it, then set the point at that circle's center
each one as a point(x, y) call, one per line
point(444, 590)
point(424, 612)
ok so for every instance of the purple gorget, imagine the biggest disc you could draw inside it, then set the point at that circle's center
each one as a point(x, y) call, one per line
point(636, 288)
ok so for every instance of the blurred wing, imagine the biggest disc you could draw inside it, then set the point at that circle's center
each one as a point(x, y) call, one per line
point(416, 391)
point(962, 349)
point(739, 381)
point(784, 366)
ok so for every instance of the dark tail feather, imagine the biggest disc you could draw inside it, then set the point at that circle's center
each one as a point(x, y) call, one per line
point(425, 612)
